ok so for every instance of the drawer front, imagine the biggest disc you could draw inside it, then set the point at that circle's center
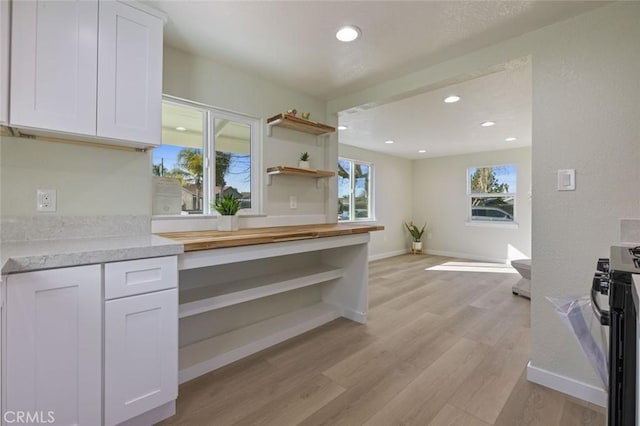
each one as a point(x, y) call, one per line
point(133, 277)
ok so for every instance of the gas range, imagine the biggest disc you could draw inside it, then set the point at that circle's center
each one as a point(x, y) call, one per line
point(625, 259)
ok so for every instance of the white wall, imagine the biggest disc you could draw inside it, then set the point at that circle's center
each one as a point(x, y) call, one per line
point(89, 180)
point(392, 195)
point(440, 197)
point(585, 116)
point(202, 80)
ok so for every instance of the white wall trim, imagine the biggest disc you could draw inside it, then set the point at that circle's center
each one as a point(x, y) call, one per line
point(387, 254)
point(466, 256)
point(567, 385)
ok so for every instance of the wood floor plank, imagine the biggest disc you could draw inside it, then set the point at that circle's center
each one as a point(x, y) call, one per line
point(296, 405)
point(423, 398)
point(579, 415)
point(439, 347)
point(531, 405)
point(487, 389)
point(453, 416)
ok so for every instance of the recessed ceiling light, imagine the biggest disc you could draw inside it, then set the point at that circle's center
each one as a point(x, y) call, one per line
point(181, 129)
point(510, 139)
point(348, 33)
point(422, 151)
point(342, 127)
point(488, 124)
point(451, 99)
point(389, 141)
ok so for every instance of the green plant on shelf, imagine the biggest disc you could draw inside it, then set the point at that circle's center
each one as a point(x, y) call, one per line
point(304, 156)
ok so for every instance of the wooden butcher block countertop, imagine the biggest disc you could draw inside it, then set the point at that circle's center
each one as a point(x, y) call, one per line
point(204, 240)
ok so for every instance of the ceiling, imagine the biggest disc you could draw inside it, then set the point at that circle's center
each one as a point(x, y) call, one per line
point(426, 122)
point(293, 43)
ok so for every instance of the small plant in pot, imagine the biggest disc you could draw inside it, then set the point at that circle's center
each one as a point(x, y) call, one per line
point(416, 236)
point(227, 205)
point(304, 161)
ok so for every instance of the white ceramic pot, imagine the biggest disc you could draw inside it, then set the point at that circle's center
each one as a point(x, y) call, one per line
point(304, 164)
point(416, 245)
point(227, 223)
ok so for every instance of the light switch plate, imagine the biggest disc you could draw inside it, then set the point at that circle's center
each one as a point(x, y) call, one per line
point(567, 180)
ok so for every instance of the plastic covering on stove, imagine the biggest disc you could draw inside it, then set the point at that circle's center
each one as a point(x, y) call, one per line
point(577, 315)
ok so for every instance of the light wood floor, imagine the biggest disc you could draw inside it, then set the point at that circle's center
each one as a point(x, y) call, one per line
point(439, 348)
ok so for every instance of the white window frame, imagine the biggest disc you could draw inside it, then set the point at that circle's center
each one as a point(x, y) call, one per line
point(210, 113)
point(370, 204)
point(472, 195)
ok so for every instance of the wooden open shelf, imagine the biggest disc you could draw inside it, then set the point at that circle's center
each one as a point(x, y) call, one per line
point(297, 171)
point(301, 125)
point(203, 299)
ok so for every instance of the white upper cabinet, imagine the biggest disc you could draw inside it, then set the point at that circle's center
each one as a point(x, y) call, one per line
point(54, 48)
point(5, 34)
point(130, 74)
point(84, 67)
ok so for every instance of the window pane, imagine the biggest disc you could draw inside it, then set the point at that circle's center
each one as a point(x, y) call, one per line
point(344, 189)
point(492, 208)
point(177, 163)
point(499, 179)
point(361, 190)
point(233, 160)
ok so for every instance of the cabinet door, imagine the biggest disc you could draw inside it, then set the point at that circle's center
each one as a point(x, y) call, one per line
point(54, 65)
point(4, 61)
point(54, 344)
point(129, 74)
point(141, 354)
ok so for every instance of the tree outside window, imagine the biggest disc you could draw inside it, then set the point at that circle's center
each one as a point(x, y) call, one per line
point(492, 193)
point(354, 190)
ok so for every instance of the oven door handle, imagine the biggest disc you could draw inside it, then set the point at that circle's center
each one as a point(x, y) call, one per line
point(602, 316)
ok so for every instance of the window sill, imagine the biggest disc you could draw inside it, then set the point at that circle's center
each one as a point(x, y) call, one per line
point(490, 224)
point(365, 221)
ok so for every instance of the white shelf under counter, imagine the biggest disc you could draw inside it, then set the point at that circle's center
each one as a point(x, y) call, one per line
point(211, 297)
point(245, 291)
point(207, 355)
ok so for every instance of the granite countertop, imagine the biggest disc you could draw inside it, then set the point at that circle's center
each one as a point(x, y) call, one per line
point(23, 256)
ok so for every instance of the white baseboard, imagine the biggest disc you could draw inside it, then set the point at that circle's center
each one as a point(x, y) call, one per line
point(354, 315)
point(466, 256)
point(569, 386)
point(387, 254)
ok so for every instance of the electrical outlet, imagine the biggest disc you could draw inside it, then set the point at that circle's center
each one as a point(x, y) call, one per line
point(46, 200)
point(293, 202)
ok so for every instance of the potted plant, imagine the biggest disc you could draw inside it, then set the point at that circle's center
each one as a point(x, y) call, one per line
point(416, 236)
point(304, 161)
point(227, 205)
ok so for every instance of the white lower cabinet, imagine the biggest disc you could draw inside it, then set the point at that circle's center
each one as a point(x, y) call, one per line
point(141, 354)
point(68, 353)
point(54, 346)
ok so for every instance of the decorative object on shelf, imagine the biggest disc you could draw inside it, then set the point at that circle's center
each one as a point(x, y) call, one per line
point(292, 112)
point(305, 115)
point(304, 161)
point(416, 236)
point(227, 205)
point(289, 121)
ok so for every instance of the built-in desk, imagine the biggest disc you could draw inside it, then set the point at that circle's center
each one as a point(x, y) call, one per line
point(243, 291)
